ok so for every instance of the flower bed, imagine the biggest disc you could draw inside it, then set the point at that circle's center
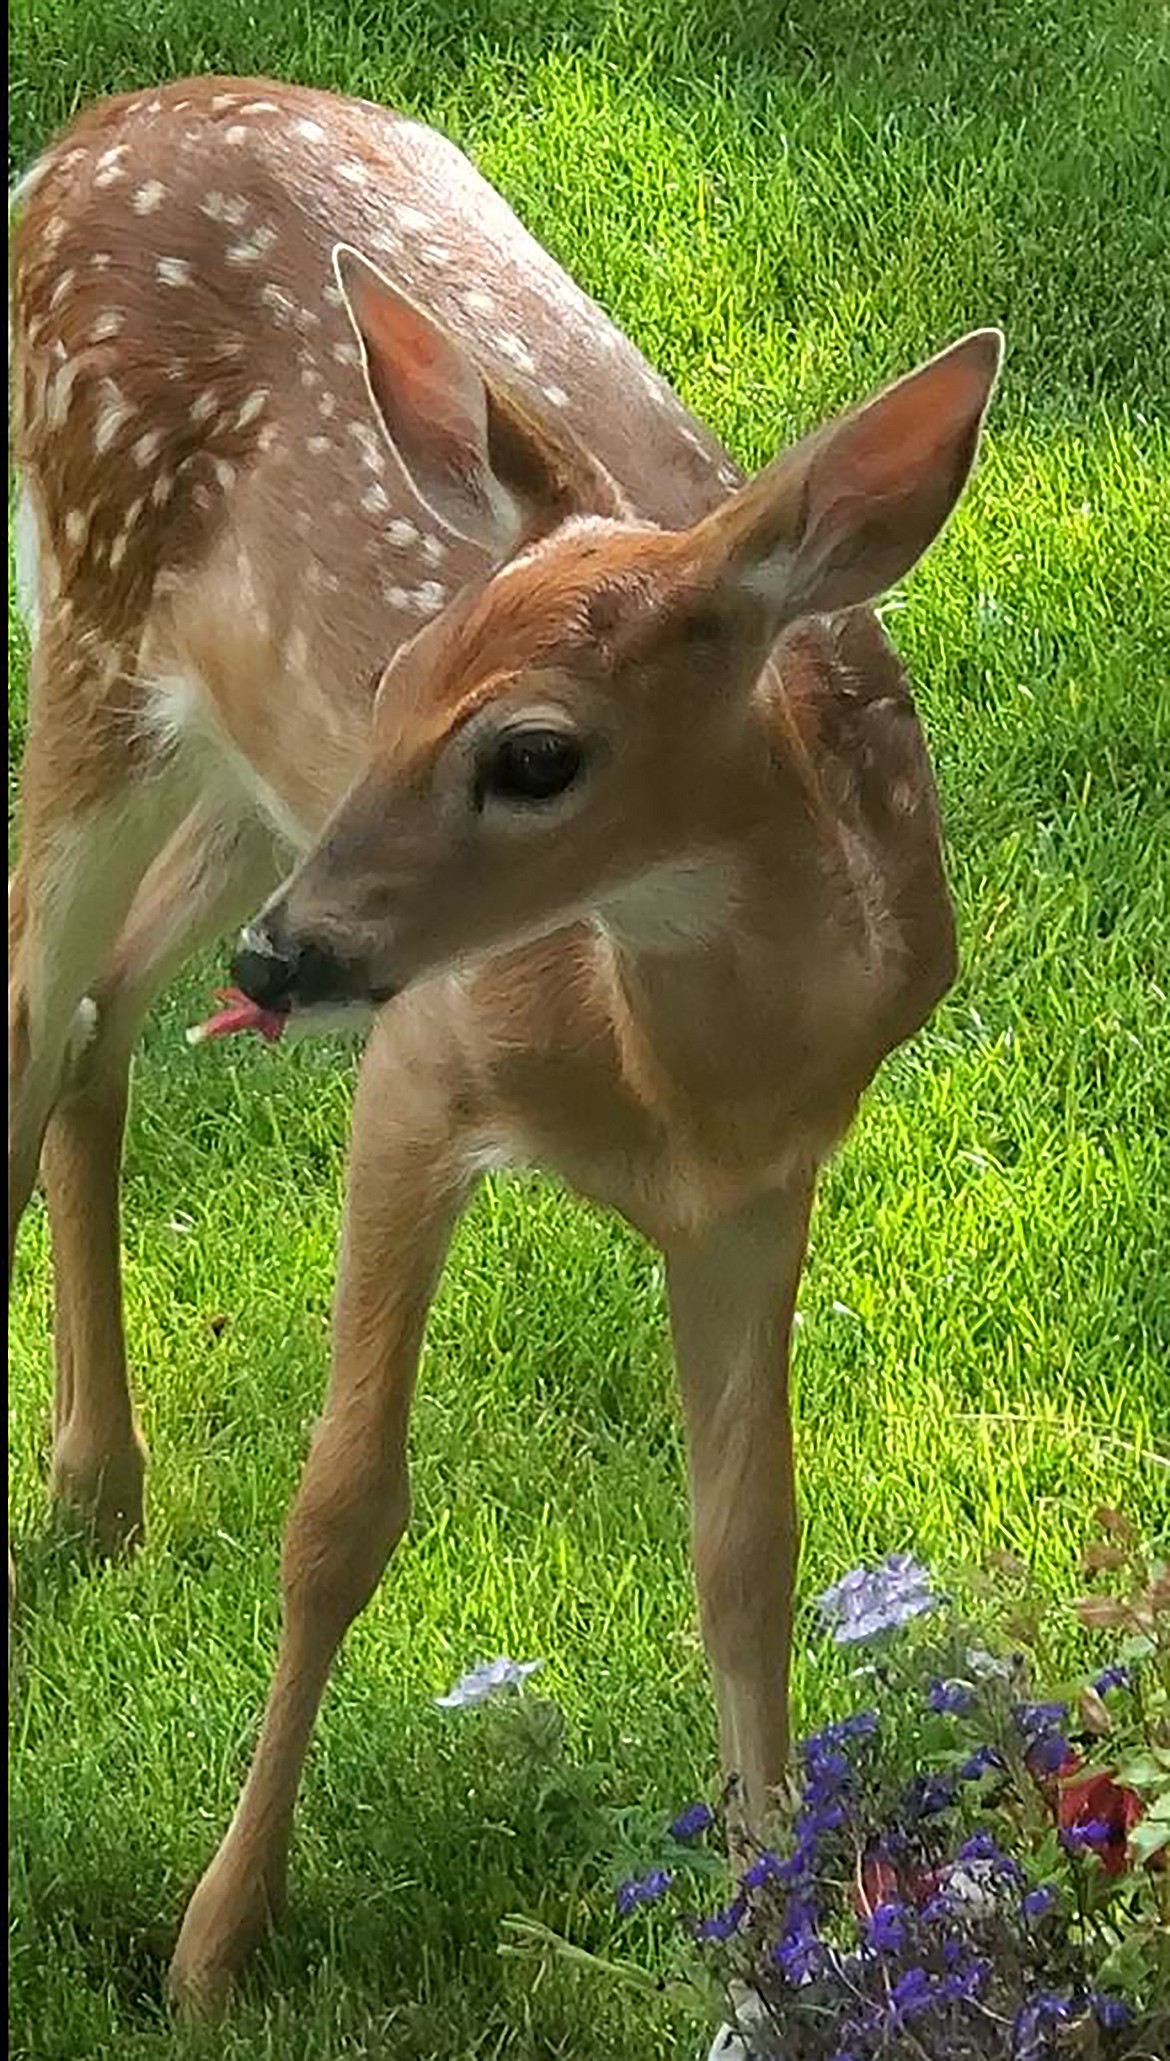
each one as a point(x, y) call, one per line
point(973, 1862)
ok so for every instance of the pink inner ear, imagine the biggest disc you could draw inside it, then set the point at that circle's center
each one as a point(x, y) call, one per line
point(902, 434)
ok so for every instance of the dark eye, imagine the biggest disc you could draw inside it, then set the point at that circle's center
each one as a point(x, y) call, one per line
point(531, 765)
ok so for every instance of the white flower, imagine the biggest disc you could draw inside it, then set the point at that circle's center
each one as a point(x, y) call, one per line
point(487, 1678)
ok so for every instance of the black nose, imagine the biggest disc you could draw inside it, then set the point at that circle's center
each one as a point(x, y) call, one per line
point(275, 971)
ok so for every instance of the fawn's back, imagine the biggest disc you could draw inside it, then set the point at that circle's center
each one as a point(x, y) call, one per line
point(213, 525)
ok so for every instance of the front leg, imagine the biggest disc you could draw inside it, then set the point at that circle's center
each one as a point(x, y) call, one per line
point(732, 1295)
point(407, 1183)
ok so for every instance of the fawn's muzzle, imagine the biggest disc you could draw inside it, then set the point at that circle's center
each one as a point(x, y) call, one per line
point(279, 972)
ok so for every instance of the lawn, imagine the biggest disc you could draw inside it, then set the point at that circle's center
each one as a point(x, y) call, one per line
point(784, 205)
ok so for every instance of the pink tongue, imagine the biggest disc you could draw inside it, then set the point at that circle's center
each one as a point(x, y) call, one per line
point(238, 1014)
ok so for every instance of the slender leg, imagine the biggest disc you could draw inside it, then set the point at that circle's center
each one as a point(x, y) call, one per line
point(732, 1295)
point(406, 1187)
point(72, 894)
point(204, 882)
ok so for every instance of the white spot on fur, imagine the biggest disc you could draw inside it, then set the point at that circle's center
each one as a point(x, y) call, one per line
point(221, 101)
point(253, 406)
point(556, 396)
point(149, 197)
point(60, 394)
point(147, 447)
point(282, 304)
point(107, 325)
point(76, 526)
point(81, 1032)
point(319, 445)
point(374, 501)
point(222, 207)
point(113, 412)
point(173, 272)
point(101, 260)
point(204, 405)
point(410, 217)
point(109, 171)
point(433, 550)
point(396, 597)
point(516, 351)
point(63, 286)
point(225, 474)
point(347, 354)
point(161, 490)
point(327, 404)
point(353, 172)
point(260, 107)
point(435, 255)
point(254, 247)
point(332, 297)
point(311, 131)
point(236, 135)
point(400, 534)
point(479, 302)
point(370, 446)
point(430, 597)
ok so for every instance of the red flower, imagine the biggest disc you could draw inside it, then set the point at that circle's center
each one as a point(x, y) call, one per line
point(1088, 1799)
point(879, 1885)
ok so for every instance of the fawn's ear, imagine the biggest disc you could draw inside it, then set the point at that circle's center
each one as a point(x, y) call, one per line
point(472, 453)
point(845, 513)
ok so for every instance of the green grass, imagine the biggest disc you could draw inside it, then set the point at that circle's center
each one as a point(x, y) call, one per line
point(782, 212)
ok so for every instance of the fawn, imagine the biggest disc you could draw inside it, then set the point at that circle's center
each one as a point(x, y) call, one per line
point(364, 555)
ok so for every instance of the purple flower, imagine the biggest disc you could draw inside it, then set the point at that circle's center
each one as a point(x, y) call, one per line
point(1034, 2021)
point(966, 1982)
point(937, 1909)
point(1038, 1902)
point(951, 1697)
point(930, 1794)
point(886, 1930)
point(1111, 2013)
point(978, 1763)
point(1113, 1678)
point(1094, 1832)
point(861, 1725)
point(1047, 1753)
point(798, 1953)
point(912, 1994)
point(642, 1890)
point(1033, 1719)
point(723, 1925)
point(697, 1817)
point(767, 1867)
point(487, 1678)
point(980, 1847)
point(872, 1600)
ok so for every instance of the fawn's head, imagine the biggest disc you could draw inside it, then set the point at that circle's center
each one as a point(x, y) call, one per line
point(576, 732)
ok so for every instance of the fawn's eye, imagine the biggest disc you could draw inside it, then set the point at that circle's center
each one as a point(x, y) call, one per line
point(530, 765)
